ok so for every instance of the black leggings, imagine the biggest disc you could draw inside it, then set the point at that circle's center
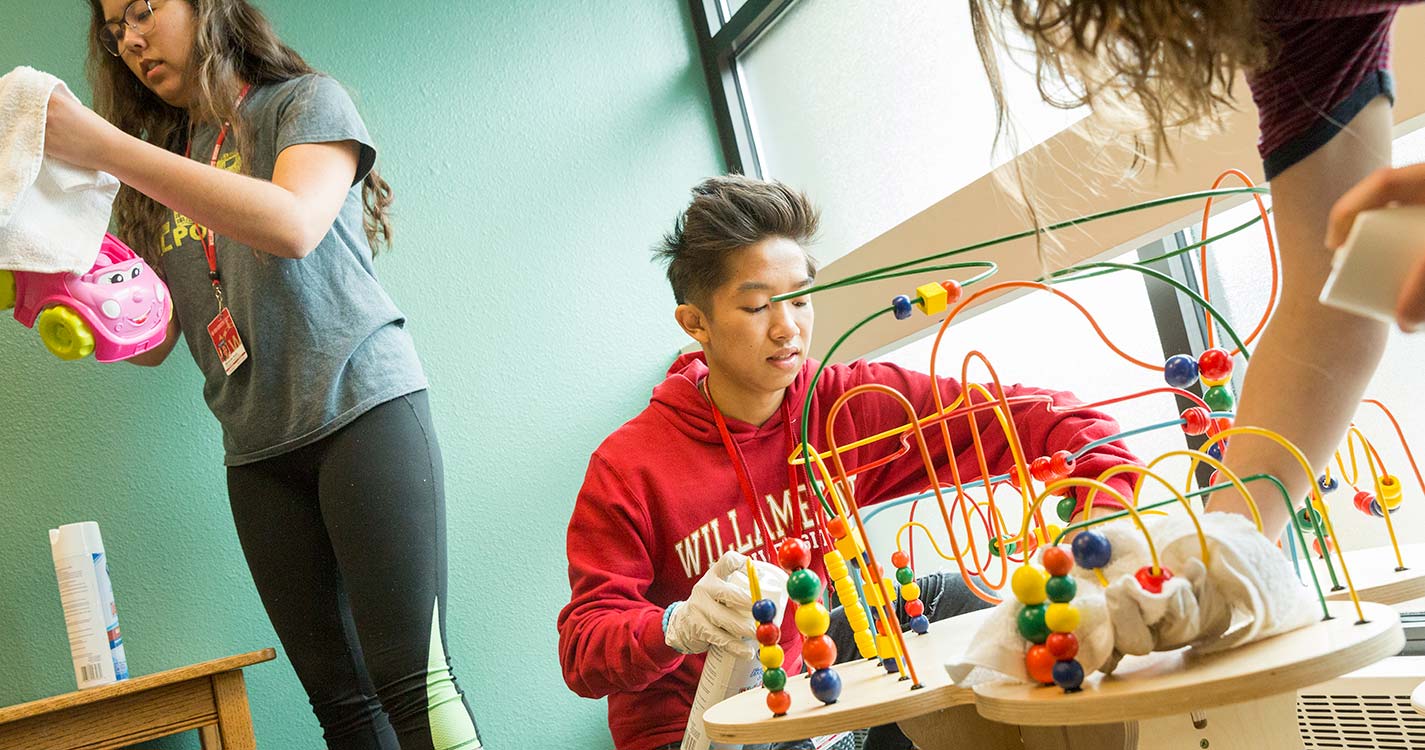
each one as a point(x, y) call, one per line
point(345, 539)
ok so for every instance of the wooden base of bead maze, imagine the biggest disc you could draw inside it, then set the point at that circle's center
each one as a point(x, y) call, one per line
point(1373, 571)
point(1244, 698)
point(869, 696)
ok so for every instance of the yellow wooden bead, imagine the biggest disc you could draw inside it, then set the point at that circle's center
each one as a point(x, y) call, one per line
point(1388, 491)
point(1062, 618)
point(865, 643)
point(857, 619)
point(770, 656)
point(835, 565)
point(933, 298)
point(885, 648)
point(910, 591)
point(813, 619)
point(846, 545)
point(1048, 534)
point(1028, 585)
point(873, 596)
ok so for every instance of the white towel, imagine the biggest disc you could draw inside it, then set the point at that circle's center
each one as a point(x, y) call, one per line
point(1247, 593)
point(53, 215)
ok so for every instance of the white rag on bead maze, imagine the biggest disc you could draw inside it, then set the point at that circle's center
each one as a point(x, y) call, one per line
point(1245, 593)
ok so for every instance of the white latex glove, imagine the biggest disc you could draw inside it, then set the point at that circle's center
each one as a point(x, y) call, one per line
point(718, 612)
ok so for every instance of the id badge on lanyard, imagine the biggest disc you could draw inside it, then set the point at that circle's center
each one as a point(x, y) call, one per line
point(222, 330)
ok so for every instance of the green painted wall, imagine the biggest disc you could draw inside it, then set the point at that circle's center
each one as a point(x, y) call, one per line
point(537, 150)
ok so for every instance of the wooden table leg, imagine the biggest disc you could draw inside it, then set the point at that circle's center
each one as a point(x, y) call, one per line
point(960, 727)
point(234, 720)
point(209, 739)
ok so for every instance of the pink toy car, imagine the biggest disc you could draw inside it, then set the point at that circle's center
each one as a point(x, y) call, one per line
point(119, 309)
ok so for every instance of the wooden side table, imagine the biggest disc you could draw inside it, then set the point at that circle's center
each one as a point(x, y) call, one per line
point(210, 697)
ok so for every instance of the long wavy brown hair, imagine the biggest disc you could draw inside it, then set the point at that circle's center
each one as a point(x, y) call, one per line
point(1172, 63)
point(233, 42)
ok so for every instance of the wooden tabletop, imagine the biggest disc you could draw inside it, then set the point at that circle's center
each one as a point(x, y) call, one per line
point(134, 685)
point(1374, 574)
point(869, 696)
point(1154, 685)
point(1176, 682)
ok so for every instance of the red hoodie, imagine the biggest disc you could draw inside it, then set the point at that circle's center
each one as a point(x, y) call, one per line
point(661, 503)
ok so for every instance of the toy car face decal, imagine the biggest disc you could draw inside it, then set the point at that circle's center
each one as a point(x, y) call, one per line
point(129, 298)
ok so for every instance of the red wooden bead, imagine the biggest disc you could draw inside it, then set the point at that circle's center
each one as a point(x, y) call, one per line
point(1040, 470)
point(1214, 364)
point(793, 553)
point(1151, 583)
point(768, 634)
point(1040, 663)
point(900, 559)
point(1062, 645)
point(914, 608)
point(1216, 479)
point(1195, 420)
point(1057, 561)
point(952, 291)
point(1219, 424)
point(779, 702)
point(1062, 463)
point(1363, 502)
point(1316, 546)
point(819, 651)
point(836, 527)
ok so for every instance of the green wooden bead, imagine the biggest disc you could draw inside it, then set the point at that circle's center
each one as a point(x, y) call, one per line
point(1061, 589)
point(1066, 508)
point(1220, 398)
point(904, 575)
point(1031, 623)
point(803, 586)
point(775, 679)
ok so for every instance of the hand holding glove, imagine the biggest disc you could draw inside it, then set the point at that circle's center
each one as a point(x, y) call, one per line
point(718, 612)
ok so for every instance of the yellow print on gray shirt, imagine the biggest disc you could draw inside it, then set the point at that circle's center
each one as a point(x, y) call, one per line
point(180, 228)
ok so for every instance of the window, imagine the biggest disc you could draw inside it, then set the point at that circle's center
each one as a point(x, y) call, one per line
point(876, 110)
point(1239, 273)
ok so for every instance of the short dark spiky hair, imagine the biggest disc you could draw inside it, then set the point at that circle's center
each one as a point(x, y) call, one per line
point(728, 214)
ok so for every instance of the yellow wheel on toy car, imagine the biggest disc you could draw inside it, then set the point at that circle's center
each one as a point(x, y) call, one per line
point(7, 290)
point(65, 334)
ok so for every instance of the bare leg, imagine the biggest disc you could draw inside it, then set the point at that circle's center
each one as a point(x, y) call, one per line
point(1313, 362)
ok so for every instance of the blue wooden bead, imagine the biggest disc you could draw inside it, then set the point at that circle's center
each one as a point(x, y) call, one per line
point(1215, 451)
point(1180, 371)
point(1092, 550)
point(901, 304)
point(826, 685)
point(1327, 485)
point(1068, 674)
point(1375, 509)
point(763, 610)
point(891, 665)
point(920, 624)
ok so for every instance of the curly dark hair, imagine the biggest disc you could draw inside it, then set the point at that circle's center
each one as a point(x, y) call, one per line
point(1171, 61)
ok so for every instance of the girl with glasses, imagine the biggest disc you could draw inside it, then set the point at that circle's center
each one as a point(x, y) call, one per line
point(249, 181)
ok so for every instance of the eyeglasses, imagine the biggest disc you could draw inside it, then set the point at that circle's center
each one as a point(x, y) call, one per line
point(138, 16)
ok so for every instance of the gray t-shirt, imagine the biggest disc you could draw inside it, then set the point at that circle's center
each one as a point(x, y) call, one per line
point(325, 342)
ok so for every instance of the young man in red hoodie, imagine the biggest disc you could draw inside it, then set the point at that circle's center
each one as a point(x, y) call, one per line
point(676, 497)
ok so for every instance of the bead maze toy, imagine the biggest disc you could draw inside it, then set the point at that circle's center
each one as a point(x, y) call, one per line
point(1159, 697)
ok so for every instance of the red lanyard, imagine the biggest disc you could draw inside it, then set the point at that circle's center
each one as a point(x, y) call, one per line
point(739, 467)
point(210, 245)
